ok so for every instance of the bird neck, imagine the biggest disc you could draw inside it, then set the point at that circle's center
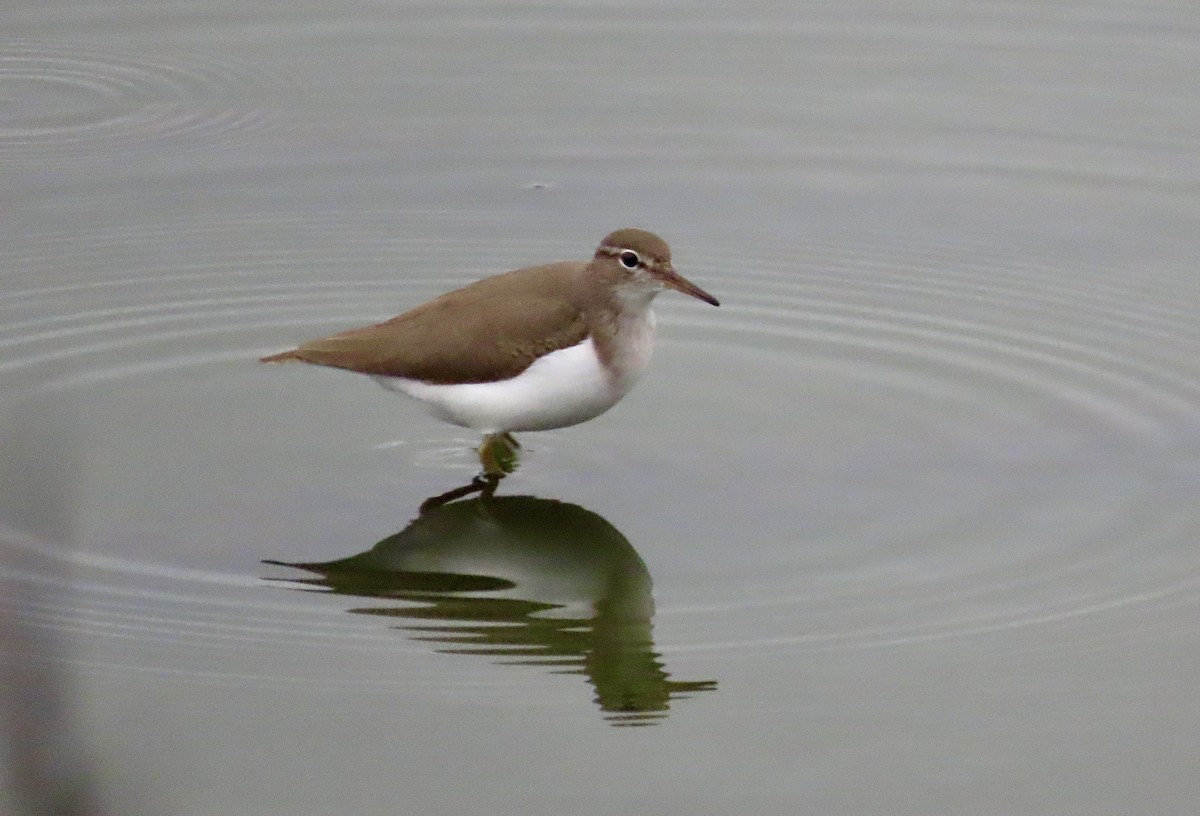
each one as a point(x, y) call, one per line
point(623, 333)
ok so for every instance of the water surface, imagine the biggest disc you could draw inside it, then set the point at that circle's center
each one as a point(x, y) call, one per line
point(908, 525)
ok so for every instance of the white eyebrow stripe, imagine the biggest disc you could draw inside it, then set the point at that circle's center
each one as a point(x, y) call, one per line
point(615, 252)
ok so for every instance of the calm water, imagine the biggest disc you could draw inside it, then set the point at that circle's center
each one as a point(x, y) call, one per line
point(908, 525)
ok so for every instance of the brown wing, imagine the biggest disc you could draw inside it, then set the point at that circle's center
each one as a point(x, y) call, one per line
point(492, 329)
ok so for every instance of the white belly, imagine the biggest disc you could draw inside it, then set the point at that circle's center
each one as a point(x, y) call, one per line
point(563, 388)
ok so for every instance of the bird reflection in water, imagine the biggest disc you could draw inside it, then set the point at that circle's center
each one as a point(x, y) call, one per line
point(530, 581)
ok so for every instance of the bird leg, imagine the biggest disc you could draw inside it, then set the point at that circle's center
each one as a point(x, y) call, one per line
point(498, 454)
point(482, 484)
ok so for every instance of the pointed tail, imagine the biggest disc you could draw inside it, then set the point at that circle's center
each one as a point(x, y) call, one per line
point(281, 357)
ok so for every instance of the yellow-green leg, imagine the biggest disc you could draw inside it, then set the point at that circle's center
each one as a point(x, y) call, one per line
point(498, 454)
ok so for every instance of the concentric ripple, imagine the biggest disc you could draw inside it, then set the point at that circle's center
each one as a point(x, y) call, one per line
point(990, 444)
point(1051, 422)
point(67, 103)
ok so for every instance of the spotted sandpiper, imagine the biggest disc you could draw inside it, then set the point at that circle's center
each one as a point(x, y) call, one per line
point(529, 350)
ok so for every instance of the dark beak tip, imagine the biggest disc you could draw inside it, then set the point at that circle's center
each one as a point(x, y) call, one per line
point(673, 280)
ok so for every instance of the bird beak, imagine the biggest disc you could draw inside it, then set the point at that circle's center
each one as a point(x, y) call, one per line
point(673, 280)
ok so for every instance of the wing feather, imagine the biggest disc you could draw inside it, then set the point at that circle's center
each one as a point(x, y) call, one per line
point(492, 329)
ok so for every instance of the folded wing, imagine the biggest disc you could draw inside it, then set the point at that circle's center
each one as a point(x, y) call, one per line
point(492, 329)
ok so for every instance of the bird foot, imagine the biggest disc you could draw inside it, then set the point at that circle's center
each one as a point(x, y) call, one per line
point(482, 484)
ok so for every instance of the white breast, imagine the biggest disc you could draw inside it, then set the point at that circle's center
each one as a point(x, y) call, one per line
point(562, 388)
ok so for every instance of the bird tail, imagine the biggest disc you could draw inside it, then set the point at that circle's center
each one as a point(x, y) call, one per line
point(281, 357)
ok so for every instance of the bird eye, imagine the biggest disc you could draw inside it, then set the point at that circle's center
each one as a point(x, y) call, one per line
point(630, 259)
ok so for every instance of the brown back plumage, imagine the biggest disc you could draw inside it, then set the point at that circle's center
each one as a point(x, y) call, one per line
point(492, 329)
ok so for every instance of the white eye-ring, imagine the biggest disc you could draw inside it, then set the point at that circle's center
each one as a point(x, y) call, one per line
point(629, 259)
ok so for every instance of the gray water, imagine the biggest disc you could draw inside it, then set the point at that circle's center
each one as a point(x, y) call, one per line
point(908, 525)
